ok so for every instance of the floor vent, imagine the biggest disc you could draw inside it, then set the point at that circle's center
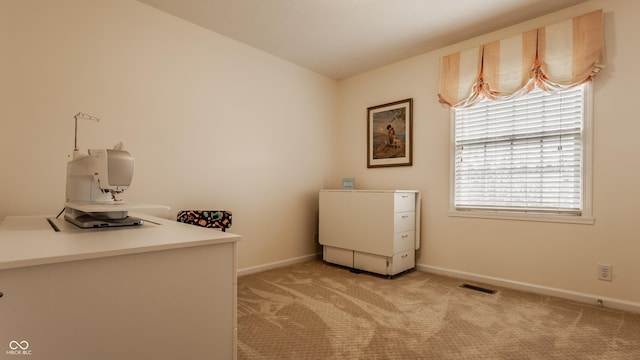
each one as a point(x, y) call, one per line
point(478, 288)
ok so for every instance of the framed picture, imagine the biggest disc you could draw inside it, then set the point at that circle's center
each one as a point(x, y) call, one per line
point(390, 134)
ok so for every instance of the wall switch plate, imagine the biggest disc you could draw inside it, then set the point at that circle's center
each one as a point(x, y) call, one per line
point(605, 272)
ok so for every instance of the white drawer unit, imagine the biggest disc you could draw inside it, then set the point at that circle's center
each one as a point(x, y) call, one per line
point(371, 230)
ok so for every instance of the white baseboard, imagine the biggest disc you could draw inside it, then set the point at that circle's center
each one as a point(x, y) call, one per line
point(536, 289)
point(277, 264)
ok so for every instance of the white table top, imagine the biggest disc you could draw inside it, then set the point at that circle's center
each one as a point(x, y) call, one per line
point(31, 240)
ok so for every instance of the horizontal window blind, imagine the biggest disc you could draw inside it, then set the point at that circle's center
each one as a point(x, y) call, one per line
point(524, 154)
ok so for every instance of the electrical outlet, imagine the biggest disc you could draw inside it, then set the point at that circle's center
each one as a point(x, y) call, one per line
point(605, 272)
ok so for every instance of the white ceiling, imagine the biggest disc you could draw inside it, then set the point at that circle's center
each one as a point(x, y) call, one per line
point(340, 38)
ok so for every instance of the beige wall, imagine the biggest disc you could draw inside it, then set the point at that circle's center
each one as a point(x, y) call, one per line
point(547, 255)
point(211, 122)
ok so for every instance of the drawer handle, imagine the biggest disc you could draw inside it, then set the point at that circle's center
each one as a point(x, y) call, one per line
point(405, 196)
point(405, 216)
point(405, 236)
point(404, 256)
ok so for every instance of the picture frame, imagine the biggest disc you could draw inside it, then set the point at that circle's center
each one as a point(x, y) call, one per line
point(390, 134)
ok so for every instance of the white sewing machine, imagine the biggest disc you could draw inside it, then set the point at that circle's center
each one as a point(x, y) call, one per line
point(94, 184)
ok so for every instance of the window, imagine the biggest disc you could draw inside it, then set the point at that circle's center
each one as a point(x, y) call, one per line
point(526, 158)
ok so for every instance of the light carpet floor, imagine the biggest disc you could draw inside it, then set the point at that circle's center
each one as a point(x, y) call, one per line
point(314, 310)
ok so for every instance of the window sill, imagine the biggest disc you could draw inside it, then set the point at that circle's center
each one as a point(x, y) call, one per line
point(496, 215)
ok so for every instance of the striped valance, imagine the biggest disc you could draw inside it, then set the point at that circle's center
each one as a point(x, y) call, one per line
point(553, 57)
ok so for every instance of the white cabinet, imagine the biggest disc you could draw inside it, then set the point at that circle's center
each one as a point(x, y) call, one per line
point(165, 290)
point(372, 230)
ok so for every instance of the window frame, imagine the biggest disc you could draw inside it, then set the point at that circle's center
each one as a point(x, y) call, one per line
point(586, 215)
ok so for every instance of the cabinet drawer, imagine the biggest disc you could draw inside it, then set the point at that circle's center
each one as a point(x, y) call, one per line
point(385, 265)
point(338, 256)
point(370, 262)
point(404, 241)
point(402, 261)
point(404, 202)
point(404, 221)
